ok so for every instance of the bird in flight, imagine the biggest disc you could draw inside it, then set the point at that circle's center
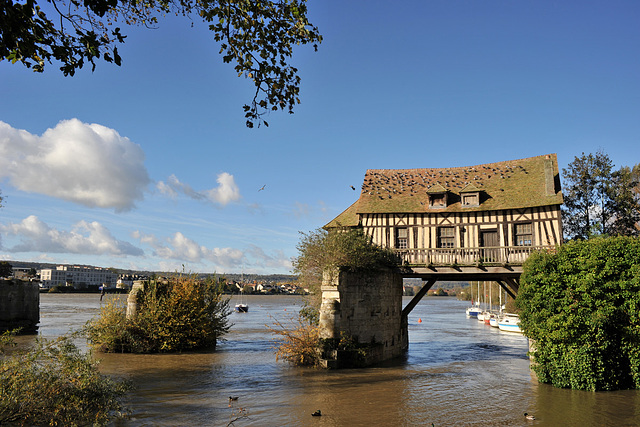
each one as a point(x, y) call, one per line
point(262, 188)
point(353, 188)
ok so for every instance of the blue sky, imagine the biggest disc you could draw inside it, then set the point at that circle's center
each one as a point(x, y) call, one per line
point(150, 166)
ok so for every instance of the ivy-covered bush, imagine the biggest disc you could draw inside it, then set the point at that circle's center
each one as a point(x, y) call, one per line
point(581, 306)
point(180, 314)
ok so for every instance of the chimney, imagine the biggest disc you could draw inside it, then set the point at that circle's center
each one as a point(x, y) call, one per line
point(548, 176)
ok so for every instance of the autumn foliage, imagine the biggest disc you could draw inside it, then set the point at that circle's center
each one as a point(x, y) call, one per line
point(177, 315)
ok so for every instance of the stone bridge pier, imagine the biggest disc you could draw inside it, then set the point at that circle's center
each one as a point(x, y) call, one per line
point(361, 321)
point(19, 306)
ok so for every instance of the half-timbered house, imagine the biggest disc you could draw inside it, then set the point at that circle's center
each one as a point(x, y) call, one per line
point(493, 214)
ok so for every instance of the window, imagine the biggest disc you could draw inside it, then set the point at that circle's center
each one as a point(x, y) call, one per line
point(437, 200)
point(402, 238)
point(524, 236)
point(470, 199)
point(446, 237)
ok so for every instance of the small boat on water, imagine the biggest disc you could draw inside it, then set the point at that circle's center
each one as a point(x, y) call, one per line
point(473, 311)
point(494, 320)
point(488, 316)
point(241, 307)
point(509, 322)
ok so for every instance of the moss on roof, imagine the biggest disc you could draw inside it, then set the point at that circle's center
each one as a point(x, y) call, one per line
point(504, 185)
point(348, 218)
point(470, 188)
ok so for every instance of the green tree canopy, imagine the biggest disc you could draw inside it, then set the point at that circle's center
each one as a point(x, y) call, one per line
point(625, 189)
point(581, 306)
point(599, 200)
point(258, 36)
point(6, 269)
point(586, 199)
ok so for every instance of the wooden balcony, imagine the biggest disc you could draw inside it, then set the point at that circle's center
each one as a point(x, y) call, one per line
point(487, 256)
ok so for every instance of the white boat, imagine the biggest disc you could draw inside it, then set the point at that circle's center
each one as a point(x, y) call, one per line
point(473, 311)
point(241, 307)
point(494, 320)
point(488, 316)
point(509, 322)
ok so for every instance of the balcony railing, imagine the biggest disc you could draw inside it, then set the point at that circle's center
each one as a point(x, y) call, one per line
point(513, 255)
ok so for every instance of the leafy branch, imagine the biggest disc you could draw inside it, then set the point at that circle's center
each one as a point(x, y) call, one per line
point(258, 36)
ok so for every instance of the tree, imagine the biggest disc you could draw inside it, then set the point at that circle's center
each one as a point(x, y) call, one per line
point(587, 198)
point(625, 189)
point(581, 308)
point(599, 200)
point(258, 36)
point(6, 270)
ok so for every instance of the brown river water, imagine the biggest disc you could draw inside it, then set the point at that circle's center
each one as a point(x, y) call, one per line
point(458, 372)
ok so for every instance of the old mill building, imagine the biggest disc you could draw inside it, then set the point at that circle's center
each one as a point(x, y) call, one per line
point(462, 219)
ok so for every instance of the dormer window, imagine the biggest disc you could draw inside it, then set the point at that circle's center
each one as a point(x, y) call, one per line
point(437, 196)
point(470, 196)
point(471, 199)
point(438, 200)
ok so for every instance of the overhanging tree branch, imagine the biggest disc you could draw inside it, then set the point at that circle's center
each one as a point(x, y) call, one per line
point(258, 36)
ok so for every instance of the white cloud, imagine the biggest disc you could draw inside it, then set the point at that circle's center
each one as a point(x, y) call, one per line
point(88, 164)
point(181, 248)
point(86, 238)
point(227, 191)
point(278, 260)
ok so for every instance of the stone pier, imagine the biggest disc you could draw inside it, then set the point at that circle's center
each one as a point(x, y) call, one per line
point(19, 306)
point(361, 322)
point(132, 299)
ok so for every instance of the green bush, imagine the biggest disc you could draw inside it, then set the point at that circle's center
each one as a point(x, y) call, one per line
point(349, 249)
point(182, 314)
point(581, 306)
point(54, 383)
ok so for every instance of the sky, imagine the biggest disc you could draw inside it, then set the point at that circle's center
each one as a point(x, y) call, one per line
point(149, 166)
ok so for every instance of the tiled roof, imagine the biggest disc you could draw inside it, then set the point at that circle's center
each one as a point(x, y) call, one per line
point(512, 184)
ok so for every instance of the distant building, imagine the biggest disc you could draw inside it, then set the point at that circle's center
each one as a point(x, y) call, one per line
point(126, 281)
point(21, 273)
point(77, 276)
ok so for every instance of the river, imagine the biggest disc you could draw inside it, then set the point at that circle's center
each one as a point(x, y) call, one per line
point(458, 372)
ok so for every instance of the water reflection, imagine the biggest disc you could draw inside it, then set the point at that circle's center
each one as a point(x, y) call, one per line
point(458, 372)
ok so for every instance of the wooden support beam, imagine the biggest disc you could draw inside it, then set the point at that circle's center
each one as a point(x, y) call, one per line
point(507, 287)
point(416, 299)
point(514, 283)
